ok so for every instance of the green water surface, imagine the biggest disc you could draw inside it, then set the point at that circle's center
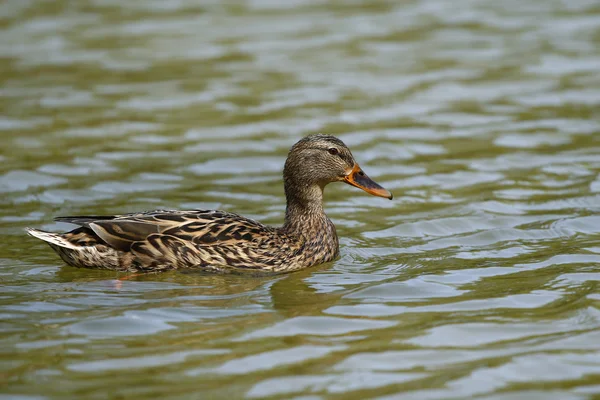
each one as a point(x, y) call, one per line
point(480, 280)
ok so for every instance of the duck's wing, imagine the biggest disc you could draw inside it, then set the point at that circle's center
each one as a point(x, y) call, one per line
point(120, 231)
point(180, 238)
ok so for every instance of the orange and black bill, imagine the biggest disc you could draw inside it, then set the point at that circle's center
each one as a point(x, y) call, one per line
point(358, 178)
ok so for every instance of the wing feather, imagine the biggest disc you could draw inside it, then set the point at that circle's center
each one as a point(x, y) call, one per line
point(84, 220)
point(120, 234)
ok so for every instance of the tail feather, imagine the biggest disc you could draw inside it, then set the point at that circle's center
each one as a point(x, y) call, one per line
point(52, 238)
point(84, 251)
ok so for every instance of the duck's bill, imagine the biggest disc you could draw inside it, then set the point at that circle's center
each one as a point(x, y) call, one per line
point(359, 179)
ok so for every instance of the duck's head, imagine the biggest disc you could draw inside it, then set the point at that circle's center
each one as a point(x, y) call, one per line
point(317, 160)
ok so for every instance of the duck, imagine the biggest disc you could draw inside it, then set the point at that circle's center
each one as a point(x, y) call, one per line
point(213, 240)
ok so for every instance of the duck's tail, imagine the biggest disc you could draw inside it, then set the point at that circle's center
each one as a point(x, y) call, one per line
point(76, 248)
point(56, 239)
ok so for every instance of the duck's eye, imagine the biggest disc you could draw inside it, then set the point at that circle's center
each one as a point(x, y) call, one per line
point(333, 151)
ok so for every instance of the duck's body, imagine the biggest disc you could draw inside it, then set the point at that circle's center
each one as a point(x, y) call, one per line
point(168, 239)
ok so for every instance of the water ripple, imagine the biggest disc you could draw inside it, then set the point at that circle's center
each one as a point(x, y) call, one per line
point(479, 280)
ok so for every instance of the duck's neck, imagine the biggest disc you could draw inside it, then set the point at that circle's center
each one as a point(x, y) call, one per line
point(304, 211)
point(306, 221)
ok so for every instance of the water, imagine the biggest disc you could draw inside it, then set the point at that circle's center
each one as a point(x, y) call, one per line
point(479, 280)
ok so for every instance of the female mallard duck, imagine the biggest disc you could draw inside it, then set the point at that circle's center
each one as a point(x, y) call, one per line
point(165, 239)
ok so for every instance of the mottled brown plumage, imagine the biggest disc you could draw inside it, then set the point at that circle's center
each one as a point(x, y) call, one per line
point(216, 240)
